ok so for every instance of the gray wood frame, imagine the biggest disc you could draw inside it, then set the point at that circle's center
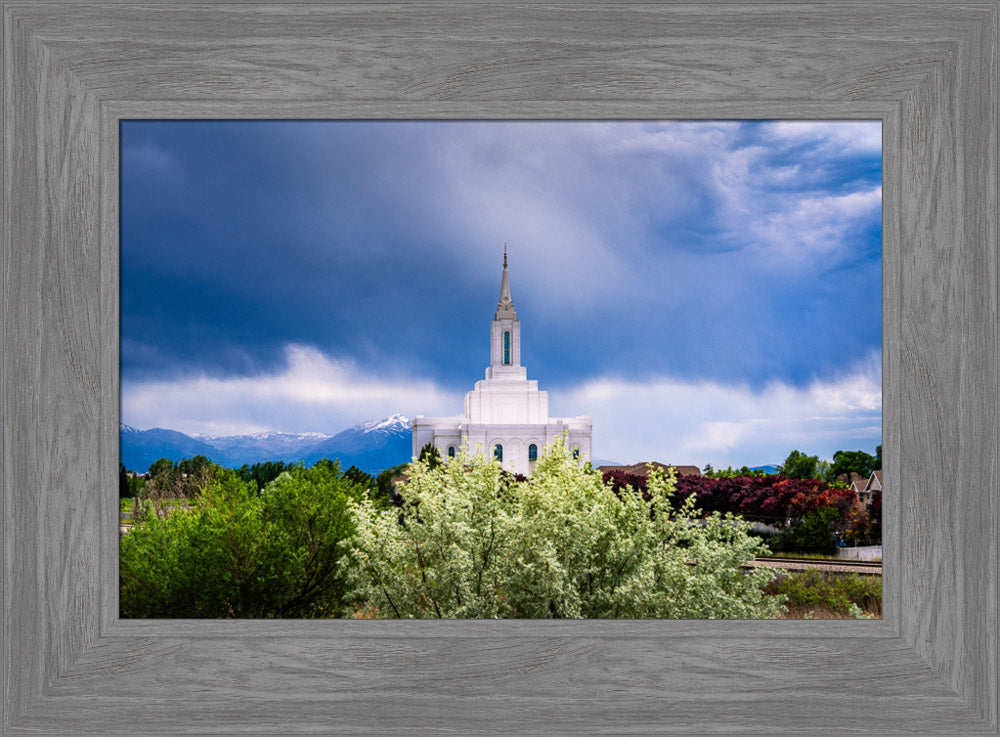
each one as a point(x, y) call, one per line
point(928, 71)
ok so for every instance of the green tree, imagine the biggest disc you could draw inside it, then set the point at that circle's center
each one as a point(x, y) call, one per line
point(238, 553)
point(193, 466)
point(430, 455)
point(136, 484)
point(170, 481)
point(124, 488)
point(877, 466)
point(471, 542)
point(160, 466)
point(356, 476)
point(262, 473)
point(798, 465)
point(384, 481)
point(729, 472)
point(847, 461)
point(814, 534)
point(823, 470)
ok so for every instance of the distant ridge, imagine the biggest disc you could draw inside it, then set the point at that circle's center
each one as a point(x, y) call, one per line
point(140, 448)
point(371, 446)
point(272, 446)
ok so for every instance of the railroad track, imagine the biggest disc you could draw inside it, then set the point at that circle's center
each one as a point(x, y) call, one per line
point(860, 567)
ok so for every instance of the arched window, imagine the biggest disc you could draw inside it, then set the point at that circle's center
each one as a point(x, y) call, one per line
point(451, 451)
point(532, 452)
point(506, 347)
point(498, 452)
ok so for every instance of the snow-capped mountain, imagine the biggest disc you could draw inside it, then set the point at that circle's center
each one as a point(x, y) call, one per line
point(371, 446)
point(392, 424)
point(375, 444)
point(268, 436)
point(271, 446)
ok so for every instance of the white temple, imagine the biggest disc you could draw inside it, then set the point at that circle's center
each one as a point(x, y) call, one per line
point(505, 414)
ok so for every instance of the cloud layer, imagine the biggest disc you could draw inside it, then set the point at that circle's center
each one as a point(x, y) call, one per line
point(682, 422)
point(312, 392)
point(662, 419)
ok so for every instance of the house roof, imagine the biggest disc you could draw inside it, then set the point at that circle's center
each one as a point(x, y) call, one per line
point(642, 469)
point(875, 481)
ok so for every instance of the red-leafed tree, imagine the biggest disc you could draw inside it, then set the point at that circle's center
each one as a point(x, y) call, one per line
point(772, 499)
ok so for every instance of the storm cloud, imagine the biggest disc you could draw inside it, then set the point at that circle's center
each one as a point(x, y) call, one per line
point(730, 256)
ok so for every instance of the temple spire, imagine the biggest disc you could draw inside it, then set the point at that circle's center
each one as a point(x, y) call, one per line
point(506, 304)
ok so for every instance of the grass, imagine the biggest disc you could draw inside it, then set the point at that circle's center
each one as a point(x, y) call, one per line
point(792, 554)
point(818, 595)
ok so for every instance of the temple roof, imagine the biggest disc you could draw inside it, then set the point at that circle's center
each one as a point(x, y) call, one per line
point(505, 307)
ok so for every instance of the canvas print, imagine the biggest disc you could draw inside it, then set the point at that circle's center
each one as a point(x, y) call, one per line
point(500, 369)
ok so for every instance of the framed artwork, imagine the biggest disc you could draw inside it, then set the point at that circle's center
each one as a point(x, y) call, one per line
point(927, 72)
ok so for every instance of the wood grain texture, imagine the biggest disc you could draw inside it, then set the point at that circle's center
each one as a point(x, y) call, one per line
point(71, 71)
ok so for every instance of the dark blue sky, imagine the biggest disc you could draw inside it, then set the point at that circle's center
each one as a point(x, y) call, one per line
point(307, 275)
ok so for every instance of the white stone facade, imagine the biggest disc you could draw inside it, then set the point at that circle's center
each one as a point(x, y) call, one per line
point(505, 410)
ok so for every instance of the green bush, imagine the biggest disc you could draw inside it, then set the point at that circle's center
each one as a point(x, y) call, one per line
point(469, 541)
point(814, 534)
point(237, 553)
point(814, 589)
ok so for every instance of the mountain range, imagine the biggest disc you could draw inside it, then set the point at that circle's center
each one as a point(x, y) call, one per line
point(371, 446)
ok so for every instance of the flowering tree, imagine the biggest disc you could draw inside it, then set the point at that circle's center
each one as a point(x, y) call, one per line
point(472, 542)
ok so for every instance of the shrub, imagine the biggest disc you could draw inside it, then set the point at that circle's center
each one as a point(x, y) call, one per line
point(814, 534)
point(238, 553)
point(814, 591)
point(471, 542)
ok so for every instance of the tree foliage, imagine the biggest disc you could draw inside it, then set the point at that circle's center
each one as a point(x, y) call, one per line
point(262, 473)
point(430, 455)
point(798, 465)
point(385, 489)
point(816, 533)
point(471, 542)
point(159, 466)
point(124, 488)
point(770, 498)
point(857, 461)
point(775, 500)
point(184, 479)
point(869, 526)
point(358, 477)
point(237, 553)
point(729, 471)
